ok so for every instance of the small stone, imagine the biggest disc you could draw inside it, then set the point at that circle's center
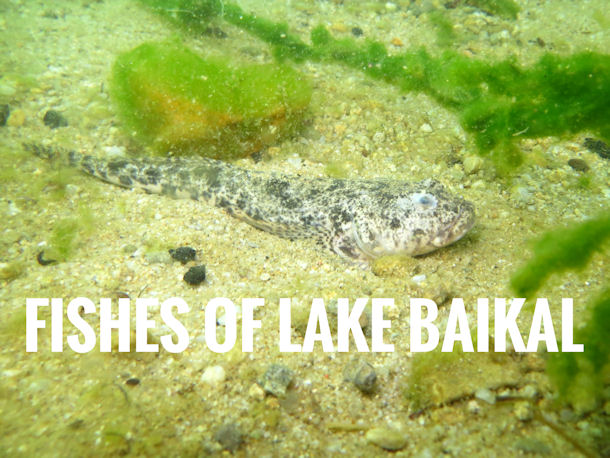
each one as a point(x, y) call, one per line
point(361, 374)
point(484, 394)
point(473, 407)
point(472, 164)
point(276, 380)
point(523, 411)
point(426, 128)
point(195, 275)
point(16, 118)
point(213, 375)
point(54, 119)
point(183, 254)
point(265, 276)
point(357, 31)
point(229, 436)
point(417, 279)
point(132, 381)
point(397, 42)
point(578, 164)
point(391, 6)
point(5, 111)
point(386, 438)
point(256, 392)
point(158, 257)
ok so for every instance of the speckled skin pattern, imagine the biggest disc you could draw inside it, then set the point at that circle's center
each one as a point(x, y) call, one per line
point(357, 219)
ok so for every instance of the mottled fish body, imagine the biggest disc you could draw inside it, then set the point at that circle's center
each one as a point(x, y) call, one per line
point(357, 219)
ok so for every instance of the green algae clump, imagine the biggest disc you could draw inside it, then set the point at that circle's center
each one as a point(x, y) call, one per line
point(173, 99)
point(560, 250)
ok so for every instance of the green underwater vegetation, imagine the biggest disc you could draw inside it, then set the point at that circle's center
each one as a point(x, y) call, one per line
point(498, 103)
point(175, 99)
point(580, 378)
point(560, 250)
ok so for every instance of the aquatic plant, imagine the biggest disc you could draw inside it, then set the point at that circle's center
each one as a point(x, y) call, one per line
point(174, 99)
point(497, 102)
point(579, 377)
point(560, 250)
point(504, 8)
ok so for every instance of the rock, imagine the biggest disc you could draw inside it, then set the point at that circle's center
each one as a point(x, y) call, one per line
point(386, 438)
point(195, 275)
point(54, 119)
point(276, 380)
point(485, 394)
point(157, 257)
point(578, 164)
point(361, 374)
point(472, 164)
point(229, 436)
point(213, 375)
point(183, 254)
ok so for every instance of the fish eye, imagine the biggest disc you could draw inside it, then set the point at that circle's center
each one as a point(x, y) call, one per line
point(424, 200)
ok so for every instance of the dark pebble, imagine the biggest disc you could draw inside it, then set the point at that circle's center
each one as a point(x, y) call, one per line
point(54, 119)
point(276, 380)
point(229, 436)
point(5, 111)
point(361, 374)
point(598, 147)
point(183, 254)
point(578, 165)
point(357, 31)
point(195, 275)
point(132, 381)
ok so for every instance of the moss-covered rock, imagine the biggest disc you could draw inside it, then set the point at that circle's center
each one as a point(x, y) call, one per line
point(174, 99)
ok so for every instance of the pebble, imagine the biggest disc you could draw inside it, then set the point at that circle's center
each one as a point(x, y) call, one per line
point(16, 119)
point(361, 374)
point(472, 164)
point(158, 257)
point(183, 254)
point(425, 127)
point(54, 119)
point(195, 275)
point(213, 375)
point(473, 407)
point(276, 380)
point(523, 411)
point(132, 381)
point(386, 438)
point(5, 111)
point(484, 394)
point(229, 436)
point(357, 31)
point(265, 276)
point(578, 164)
point(417, 279)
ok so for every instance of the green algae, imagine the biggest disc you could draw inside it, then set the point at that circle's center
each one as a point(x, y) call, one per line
point(498, 103)
point(174, 99)
point(504, 8)
point(580, 378)
point(560, 250)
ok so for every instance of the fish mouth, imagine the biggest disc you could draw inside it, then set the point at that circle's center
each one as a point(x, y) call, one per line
point(458, 228)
